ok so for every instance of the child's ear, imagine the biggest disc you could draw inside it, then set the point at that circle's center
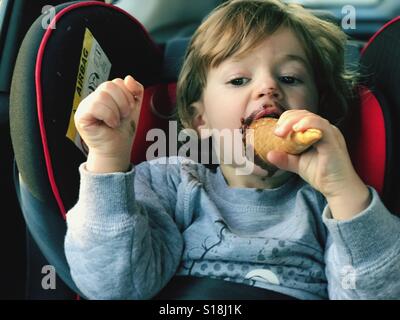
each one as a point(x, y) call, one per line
point(200, 121)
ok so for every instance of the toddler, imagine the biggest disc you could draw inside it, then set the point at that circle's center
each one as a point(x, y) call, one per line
point(310, 229)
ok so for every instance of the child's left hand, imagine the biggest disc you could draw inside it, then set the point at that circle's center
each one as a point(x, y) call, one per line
point(326, 166)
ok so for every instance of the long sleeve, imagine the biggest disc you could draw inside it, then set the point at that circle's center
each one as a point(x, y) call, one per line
point(122, 241)
point(363, 254)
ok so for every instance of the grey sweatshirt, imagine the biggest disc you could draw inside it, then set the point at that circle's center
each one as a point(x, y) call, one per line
point(130, 233)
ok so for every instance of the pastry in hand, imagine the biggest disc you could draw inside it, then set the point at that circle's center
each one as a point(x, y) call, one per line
point(262, 140)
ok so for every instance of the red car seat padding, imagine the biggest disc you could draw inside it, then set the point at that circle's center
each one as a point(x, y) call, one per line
point(367, 145)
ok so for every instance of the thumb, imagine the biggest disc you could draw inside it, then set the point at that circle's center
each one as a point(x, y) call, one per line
point(134, 87)
point(284, 161)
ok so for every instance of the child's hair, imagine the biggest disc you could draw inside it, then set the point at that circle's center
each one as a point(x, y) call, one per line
point(236, 27)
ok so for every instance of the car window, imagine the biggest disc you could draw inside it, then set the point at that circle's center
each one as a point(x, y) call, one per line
point(3, 15)
point(5, 10)
point(321, 3)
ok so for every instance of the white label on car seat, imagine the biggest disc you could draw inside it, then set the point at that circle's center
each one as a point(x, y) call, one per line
point(94, 69)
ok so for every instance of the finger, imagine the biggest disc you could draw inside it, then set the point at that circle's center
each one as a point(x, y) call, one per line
point(332, 138)
point(135, 88)
point(118, 96)
point(284, 161)
point(287, 120)
point(331, 135)
point(98, 112)
point(126, 108)
point(106, 98)
point(311, 121)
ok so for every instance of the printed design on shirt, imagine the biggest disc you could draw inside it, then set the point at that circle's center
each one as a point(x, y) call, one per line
point(252, 276)
point(263, 275)
point(207, 249)
point(254, 261)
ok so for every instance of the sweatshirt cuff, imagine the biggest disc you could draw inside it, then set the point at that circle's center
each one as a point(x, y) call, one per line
point(368, 237)
point(106, 199)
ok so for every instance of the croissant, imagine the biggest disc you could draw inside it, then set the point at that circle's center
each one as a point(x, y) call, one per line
point(264, 140)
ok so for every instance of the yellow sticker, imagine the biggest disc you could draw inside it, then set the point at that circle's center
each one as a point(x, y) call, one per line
point(94, 69)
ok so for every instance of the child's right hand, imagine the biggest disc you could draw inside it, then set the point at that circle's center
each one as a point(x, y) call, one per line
point(107, 120)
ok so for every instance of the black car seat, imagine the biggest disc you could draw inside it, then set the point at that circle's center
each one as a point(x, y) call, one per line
point(51, 71)
point(42, 94)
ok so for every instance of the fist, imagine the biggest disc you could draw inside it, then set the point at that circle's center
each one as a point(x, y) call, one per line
point(107, 118)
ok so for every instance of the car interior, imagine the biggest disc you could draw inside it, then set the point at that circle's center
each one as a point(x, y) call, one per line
point(41, 57)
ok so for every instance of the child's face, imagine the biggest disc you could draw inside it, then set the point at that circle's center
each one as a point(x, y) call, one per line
point(275, 73)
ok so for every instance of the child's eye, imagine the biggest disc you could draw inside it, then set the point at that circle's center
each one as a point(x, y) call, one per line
point(289, 80)
point(238, 82)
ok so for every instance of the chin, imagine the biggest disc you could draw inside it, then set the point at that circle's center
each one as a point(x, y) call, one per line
point(262, 170)
point(266, 171)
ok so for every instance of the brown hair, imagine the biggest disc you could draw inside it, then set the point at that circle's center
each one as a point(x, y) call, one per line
point(237, 26)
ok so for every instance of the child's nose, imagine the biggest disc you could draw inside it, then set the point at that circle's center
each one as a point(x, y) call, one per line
point(270, 90)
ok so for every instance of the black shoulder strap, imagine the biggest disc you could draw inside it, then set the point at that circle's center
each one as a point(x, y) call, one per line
point(204, 288)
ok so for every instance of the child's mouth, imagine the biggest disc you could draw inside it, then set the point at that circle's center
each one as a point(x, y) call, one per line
point(268, 111)
point(271, 111)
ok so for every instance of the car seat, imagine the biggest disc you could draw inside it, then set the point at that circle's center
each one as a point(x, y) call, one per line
point(55, 64)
